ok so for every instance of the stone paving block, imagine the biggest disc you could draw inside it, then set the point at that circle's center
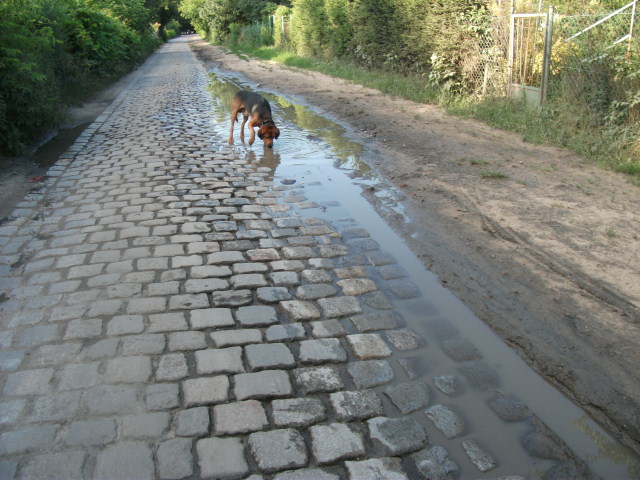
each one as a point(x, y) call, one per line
point(278, 450)
point(145, 344)
point(375, 321)
point(231, 298)
point(366, 346)
point(205, 390)
point(29, 439)
point(175, 459)
point(34, 336)
point(75, 376)
point(446, 420)
point(357, 286)
point(273, 294)
point(256, 316)
point(460, 349)
point(144, 425)
point(481, 459)
point(271, 355)
point(219, 360)
point(376, 469)
point(299, 310)
point(286, 279)
point(446, 384)
point(187, 341)
point(162, 396)
point(225, 338)
point(67, 465)
point(325, 350)
point(278, 333)
point(404, 339)
point(91, 432)
point(11, 411)
point(83, 329)
point(59, 406)
point(317, 379)
point(239, 417)
point(147, 305)
point(480, 375)
point(225, 258)
point(333, 442)
point(29, 382)
point(316, 276)
point(306, 474)
point(125, 460)
point(315, 291)
point(101, 349)
point(248, 280)
point(221, 458)
point(205, 285)
point(508, 408)
point(397, 436)
point(297, 412)
point(287, 265)
point(369, 373)
point(408, 396)
point(125, 325)
point(112, 399)
point(207, 271)
point(403, 289)
point(358, 405)
point(339, 306)
point(264, 384)
point(434, 463)
point(327, 328)
point(189, 301)
point(134, 369)
point(172, 366)
point(193, 422)
point(211, 318)
point(11, 360)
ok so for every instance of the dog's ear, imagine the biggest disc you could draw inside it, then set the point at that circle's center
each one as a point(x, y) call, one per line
point(260, 133)
point(277, 133)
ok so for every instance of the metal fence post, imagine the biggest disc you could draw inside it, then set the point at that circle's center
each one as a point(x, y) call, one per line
point(546, 59)
point(633, 21)
point(512, 33)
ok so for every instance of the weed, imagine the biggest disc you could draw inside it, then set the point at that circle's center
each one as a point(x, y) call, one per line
point(493, 174)
point(475, 161)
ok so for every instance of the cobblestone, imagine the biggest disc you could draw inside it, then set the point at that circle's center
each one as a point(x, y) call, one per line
point(278, 450)
point(239, 417)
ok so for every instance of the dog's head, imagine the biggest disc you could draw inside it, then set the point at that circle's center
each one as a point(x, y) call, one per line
point(268, 133)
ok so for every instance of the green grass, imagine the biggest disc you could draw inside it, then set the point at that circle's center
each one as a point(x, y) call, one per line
point(412, 87)
point(558, 124)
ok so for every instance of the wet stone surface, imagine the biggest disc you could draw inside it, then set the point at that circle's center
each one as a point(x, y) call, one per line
point(170, 308)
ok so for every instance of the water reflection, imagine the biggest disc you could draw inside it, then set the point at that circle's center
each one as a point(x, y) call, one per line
point(305, 134)
point(607, 449)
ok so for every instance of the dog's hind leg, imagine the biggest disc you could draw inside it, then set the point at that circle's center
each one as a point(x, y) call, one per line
point(234, 115)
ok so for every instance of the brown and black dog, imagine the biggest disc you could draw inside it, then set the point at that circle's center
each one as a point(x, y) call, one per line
point(258, 111)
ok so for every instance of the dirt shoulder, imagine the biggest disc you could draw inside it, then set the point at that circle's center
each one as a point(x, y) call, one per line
point(542, 246)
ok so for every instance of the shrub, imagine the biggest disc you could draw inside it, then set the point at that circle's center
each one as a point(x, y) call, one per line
point(51, 51)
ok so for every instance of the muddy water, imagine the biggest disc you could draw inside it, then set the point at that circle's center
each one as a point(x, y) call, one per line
point(319, 161)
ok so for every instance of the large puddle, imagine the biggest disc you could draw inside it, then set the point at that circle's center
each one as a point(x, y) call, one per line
point(316, 157)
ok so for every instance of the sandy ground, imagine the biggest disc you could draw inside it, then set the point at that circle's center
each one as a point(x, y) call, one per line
point(548, 254)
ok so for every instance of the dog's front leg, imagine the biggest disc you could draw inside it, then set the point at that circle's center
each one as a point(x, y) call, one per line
point(252, 138)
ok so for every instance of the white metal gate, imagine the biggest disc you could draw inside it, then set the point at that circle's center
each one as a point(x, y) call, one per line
point(530, 41)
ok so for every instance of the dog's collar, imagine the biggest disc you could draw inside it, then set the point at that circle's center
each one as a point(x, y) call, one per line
point(268, 121)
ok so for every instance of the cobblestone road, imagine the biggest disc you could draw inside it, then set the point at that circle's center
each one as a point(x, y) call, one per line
point(165, 314)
